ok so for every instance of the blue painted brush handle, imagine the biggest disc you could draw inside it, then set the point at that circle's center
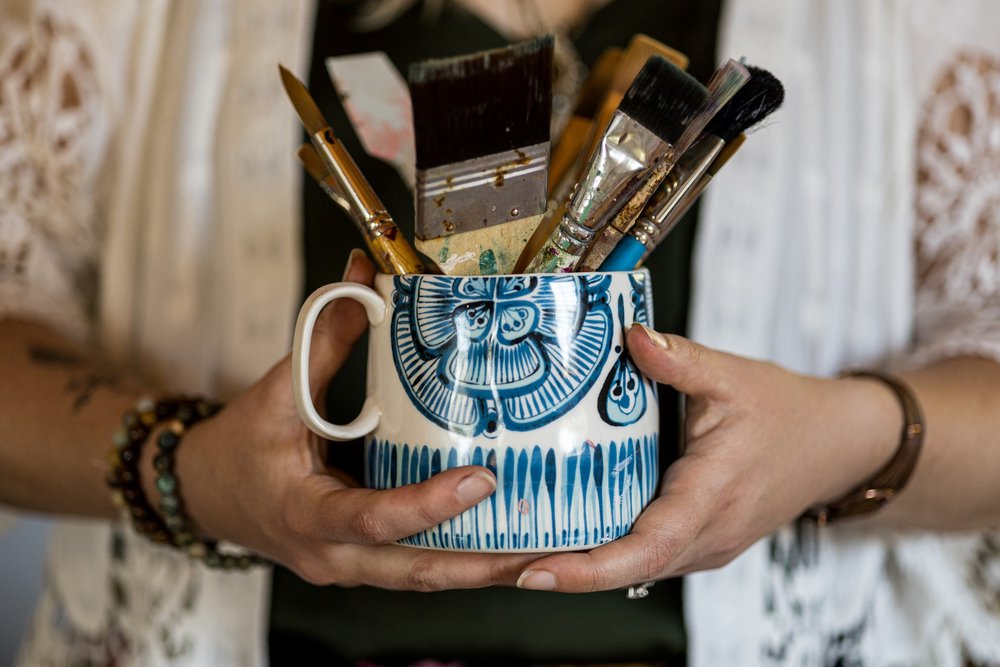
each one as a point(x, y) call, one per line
point(625, 256)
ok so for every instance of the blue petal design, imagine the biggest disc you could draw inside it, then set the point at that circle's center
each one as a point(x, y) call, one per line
point(622, 399)
point(605, 485)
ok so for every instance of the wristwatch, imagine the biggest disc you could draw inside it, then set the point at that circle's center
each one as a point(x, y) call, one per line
point(890, 480)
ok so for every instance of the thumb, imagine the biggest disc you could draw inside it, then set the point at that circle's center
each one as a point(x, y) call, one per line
point(688, 367)
point(339, 326)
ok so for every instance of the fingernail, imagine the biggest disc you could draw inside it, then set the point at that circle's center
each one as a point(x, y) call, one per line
point(355, 253)
point(475, 487)
point(655, 337)
point(537, 580)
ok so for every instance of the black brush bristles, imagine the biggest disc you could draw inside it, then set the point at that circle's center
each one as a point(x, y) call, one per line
point(756, 100)
point(483, 103)
point(663, 98)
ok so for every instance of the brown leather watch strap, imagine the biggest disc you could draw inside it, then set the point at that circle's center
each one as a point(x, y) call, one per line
point(890, 480)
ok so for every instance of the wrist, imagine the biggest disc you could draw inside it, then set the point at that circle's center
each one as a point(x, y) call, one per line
point(887, 481)
point(166, 422)
point(192, 469)
point(866, 422)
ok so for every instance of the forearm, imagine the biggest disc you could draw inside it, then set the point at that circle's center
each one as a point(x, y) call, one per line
point(58, 407)
point(956, 484)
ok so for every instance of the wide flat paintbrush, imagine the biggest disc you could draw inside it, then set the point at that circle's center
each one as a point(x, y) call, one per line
point(758, 99)
point(642, 133)
point(639, 50)
point(725, 83)
point(572, 141)
point(391, 251)
point(482, 135)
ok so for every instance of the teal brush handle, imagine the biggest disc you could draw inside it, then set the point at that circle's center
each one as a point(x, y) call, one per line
point(625, 256)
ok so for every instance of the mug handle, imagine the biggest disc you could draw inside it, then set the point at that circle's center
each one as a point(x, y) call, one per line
point(370, 413)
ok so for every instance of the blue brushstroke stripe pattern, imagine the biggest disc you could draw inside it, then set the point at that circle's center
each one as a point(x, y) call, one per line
point(544, 500)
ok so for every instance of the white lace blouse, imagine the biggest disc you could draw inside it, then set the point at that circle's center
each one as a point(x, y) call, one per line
point(148, 201)
point(862, 226)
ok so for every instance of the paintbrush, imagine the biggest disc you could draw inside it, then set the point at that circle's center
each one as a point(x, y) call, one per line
point(723, 85)
point(482, 136)
point(313, 164)
point(640, 49)
point(389, 248)
point(377, 101)
point(642, 133)
point(723, 136)
point(566, 151)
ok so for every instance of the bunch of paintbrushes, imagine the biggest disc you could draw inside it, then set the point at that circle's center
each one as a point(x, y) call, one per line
point(644, 141)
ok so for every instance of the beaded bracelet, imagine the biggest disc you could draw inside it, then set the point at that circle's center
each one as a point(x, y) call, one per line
point(126, 490)
point(123, 478)
point(168, 485)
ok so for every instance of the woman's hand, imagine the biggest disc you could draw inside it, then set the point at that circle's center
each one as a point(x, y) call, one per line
point(255, 475)
point(762, 445)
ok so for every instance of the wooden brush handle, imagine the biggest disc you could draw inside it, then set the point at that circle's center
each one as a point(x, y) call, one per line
point(391, 251)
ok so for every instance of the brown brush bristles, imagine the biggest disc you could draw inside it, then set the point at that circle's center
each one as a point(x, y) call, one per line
point(483, 103)
point(305, 107)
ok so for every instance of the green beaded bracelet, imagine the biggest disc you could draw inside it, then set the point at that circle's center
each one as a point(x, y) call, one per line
point(123, 478)
point(172, 528)
point(172, 507)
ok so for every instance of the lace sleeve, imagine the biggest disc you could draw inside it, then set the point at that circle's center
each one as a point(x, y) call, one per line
point(52, 140)
point(958, 212)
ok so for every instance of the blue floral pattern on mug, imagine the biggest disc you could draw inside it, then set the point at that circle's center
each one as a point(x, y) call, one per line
point(482, 354)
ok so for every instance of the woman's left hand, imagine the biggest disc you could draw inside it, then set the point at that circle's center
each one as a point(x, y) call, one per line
point(762, 444)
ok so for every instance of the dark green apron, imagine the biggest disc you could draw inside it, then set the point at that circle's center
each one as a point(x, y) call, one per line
point(500, 626)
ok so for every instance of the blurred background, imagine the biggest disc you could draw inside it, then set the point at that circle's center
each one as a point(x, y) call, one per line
point(22, 556)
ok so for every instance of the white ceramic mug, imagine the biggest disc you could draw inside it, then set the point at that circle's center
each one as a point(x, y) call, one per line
point(526, 375)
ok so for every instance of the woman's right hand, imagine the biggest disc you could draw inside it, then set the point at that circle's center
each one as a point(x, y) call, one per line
point(255, 475)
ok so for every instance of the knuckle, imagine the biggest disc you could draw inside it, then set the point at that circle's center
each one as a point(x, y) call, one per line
point(425, 513)
point(321, 567)
point(312, 572)
point(594, 579)
point(726, 552)
point(368, 527)
point(299, 525)
point(657, 556)
point(694, 352)
point(424, 576)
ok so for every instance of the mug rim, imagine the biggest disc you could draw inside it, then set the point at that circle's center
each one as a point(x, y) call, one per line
point(386, 276)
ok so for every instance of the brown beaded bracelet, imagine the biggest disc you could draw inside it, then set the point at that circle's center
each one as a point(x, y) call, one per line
point(123, 478)
point(172, 528)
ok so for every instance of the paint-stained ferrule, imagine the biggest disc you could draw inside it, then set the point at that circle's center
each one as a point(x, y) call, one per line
point(482, 192)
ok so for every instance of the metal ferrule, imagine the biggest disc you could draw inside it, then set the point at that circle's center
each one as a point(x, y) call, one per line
point(482, 192)
point(623, 158)
point(653, 225)
point(329, 186)
point(644, 231)
point(353, 185)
